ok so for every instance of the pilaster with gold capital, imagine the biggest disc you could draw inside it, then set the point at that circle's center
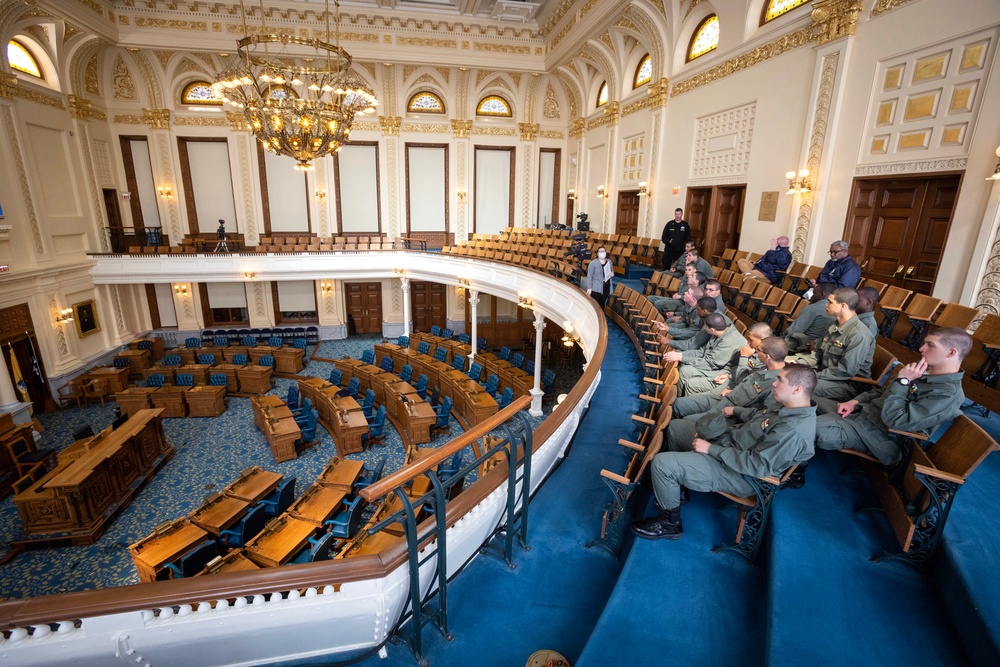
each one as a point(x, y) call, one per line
point(390, 125)
point(461, 128)
point(158, 119)
point(7, 84)
point(834, 19)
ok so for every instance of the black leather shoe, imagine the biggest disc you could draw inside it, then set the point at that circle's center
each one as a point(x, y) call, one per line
point(665, 525)
point(797, 479)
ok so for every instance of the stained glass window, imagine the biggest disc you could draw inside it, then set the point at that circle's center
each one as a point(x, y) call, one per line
point(706, 38)
point(21, 59)
point(493, 105)
point(776, 8)
point(199, 92)
point(602, 95)
point(644, 72)
point(425, 102)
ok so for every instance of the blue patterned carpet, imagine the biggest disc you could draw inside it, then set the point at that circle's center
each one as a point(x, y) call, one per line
point(211, 452)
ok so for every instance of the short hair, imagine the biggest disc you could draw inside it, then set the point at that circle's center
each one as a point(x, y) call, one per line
point(698, 293)
point(713, 283)
point(955, 338)
point(708, 304)
point(842, 245)
point(847, 296)
point(800, 375)
point(715, 321)
point(701, 277)
point(774, 347)
point(760, 330)
point(693, 251)
point(678, 209)
point(824, 288)
point(869, 293)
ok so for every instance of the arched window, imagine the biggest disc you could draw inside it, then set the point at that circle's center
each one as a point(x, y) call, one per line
point(493, 105)
point(425, 102)
point(199, 92)
point(776, 8)
point(20, 58)
point(602, 94)
point(705, 39)
point(644, 72)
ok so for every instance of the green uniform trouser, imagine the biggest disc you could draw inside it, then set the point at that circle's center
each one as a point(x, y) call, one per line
point(698, 472)
point(680, 435)
point(697, 381)
point(838, 390)
point(665, 304)
point(835, 432)
point(687, 406)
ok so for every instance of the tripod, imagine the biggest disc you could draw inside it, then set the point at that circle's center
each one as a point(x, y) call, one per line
point(221, 245)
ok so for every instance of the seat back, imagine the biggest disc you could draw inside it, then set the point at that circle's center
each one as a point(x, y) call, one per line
point(435, 330)
point(476, 371)
point(207, 358)
point(220, 341)
point(320, 550)
point(353, 387)
point(492, 384)
point(265, 360)
point(377, 427)
point(218, 380)
point(506, 398)
point(155, 380)
point(517, 359)
point(369, 401)
point(240, 359)
point(299, 343)
point(882, 362)
point(368, 356)
point(444, 412)
point(403, 341)
point(252, 523)
point(529, 366)
point(480, 343)
point(292, 398)
point(184, 380)
point(548, 379)
point(962, 447)
point(249, 341)
point(422, 386)
point(336, 375)
point(275, 341)
point(145, 345)
point(195, 560)
point(504, 353)
point(465, 338)
point(447, 333)
point(192, 342)
point(423, 347)
point(441, 353)
point(458, 363)
point(172, 360)
point(406, 374)
point(122, 362)
point(387, 363)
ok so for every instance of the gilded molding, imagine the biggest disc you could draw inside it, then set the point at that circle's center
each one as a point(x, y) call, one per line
point(611, 116)
point(202, 121)
point(562, 33)
point(551, 134)
point(116, 307)
point(550, 108)
point(389, 89)
point(529, 131)
point(690, 7)
point(149, 78)
point(919, 166)
point(158, 119)
point(90, 79)
point(510, 49)
point(817, 141)
point(462, 95)
point(365, 126)
point(123, 86)
point(243, 157)
point(40, 98)
point(578, 129)
point(783, 44)
point(82, 109)
point(8, 82)
point(390, 125)
point(424, 127)
point(237, 121)
point(461, 128)
point(258, 299)
point(834, 19)
point(557, 16)
point(624, 22)
point(166, 173)
point(22, 177)
point(495, 131)
point(164, 58)
point(171, 24)
point(883, 6)
point(95, 6)
point(128, 119)
point(427, 42)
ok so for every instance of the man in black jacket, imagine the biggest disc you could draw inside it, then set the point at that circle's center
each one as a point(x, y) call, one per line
point(676, 233)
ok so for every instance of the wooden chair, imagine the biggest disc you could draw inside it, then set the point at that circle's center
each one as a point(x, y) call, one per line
point(794, 273)
point(918, 508)
point(882, 364)
point(71, 391)
point(26, 455)
point(755, 512)
point(727, 259)
point(787, 311)
point(764, 310)
point(891, 305)
point(95, 390)
point(881, 287)
point(919, 312)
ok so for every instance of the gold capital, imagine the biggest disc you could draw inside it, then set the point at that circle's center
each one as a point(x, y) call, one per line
point(7, 84)
point(529, 131)
point(237, 121)
point(579, 128)
point(390, 125)
point(461, 128)
point(158, 119)
point(833, 19)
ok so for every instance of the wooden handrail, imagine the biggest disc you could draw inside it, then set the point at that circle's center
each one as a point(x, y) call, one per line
point(442, 453)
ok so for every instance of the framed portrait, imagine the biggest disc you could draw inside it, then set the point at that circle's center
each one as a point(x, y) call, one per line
point(85, 316)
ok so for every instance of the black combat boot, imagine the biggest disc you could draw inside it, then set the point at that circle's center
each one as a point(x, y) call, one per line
point(797, 479)
point(665, 525)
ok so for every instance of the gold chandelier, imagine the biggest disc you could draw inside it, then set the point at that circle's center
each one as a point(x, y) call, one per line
point(302, 111)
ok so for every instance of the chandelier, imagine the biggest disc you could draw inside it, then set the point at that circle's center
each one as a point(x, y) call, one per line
point(302, 111)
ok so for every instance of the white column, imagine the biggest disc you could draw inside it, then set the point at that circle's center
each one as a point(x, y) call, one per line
point(404, 284)
point(8, 397)
point(473, 317)
point(536, 392)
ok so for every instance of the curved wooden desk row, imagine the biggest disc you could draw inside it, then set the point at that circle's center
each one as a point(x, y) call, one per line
point(199, 401)
point(275, 420)
point(509, 374)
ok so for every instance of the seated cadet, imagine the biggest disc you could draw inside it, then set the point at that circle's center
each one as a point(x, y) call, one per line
point(845, 351)
point(742, 363)
point(751, 392)
point(700, 338)
point(923, 395)
point(702, 266)
point(779, 437)
point(713, 288)
point(668, 305)
point(867, 298)
point(677, 268)
point(812, 322)
point(766, 268)
point(699, 366)
point(686, 322)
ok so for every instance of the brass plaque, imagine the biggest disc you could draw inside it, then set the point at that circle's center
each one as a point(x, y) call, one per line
point(768, 206)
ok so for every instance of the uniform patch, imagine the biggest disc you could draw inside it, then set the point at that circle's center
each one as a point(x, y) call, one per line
point(756, 387)
point(751, 363)
point(837, 343)
point(764, 424)
point(913, 389)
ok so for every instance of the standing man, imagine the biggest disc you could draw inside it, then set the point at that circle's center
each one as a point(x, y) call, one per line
point(676, 234)
point(766, 268)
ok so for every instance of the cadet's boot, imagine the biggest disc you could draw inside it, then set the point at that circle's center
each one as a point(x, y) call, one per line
point(665, 525)
point(797, 479)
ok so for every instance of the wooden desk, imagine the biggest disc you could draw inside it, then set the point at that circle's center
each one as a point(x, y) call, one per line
point(352, 368)
point(115, 379)
point(139, 360)
point(348, 423)
point(254, 379)
point(171, 399)
point(166, 371)
point(199, 372)
point(205, 401)
point(234, 561)
point(280, 541)
point(255, 353)
point(231, 373)
point(227, 353)
point(317, 504)
point(219, 512)
point(151, 553)
point(469, 397)
point(253, 484)
point(187, 354)
point(133, 399)
point(277, 423)
point(289, 360)
point(341, 474)
point(415, 417)
point(156, 350)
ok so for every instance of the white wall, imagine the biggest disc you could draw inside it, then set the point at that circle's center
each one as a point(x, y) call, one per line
point(286, 195)
point(359, 188)
point(213, 185)
point(427, 178)
point(493, 192)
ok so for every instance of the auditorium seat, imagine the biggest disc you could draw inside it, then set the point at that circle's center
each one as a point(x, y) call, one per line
point(346, 522)
point(194, 561)
point(281, 498)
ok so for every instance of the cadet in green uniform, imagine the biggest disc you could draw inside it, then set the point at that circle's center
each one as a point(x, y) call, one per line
point(812, 322)
point(669, 304)
point(686, 322)
point(923, 395)
point(713, 288)
point(781, 437)
point(699, 367)
point(677, 268)
point(700, 338)
point(867, 298)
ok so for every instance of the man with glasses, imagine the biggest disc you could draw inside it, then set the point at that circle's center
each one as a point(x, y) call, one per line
point(841, 270)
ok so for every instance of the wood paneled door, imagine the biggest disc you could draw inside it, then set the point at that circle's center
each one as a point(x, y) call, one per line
point(427, 305)
point(696, 212)
point(716, 217)
point(897, 227)
point(627, 218)
point(364, 306)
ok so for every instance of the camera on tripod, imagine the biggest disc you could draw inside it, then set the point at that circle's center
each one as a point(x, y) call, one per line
point(582, 222)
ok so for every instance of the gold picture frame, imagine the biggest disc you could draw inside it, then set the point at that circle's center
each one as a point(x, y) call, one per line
point(85, 317)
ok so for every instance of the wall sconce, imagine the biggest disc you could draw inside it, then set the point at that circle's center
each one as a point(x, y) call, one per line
point(569, 338)
point(644, 189)
point(600, 192)
point(181, 290)
point(463, 284)
point(524, 301)
point(800, 186)
point(166, 191)
point(327, 287)
point(462, 194)
point(996, 173)
point(64, 316)
point(321, 194)
point(399, 272)
point(126, 196)
point(249, 275)
point(571, 194)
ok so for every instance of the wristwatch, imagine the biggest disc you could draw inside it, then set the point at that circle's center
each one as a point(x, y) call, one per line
point(903, 381)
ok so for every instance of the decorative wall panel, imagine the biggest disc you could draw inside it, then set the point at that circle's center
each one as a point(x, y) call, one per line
point(722, 145)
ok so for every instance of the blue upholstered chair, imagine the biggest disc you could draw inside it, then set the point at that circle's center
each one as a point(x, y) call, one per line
point(280, 499)
point(476, 371)
point(441, 353)
point(529, 366)
point(218, 380)
point(403, 341)
point(192, 343)
point(249, 341)
point(368, 356)
point(208, 358)
point(406, 373)
point(423, 347)
point(308, 429)
point(435, 330)
point(336, 375)
point(318, 549)
point(458, 362)
point(194, 561)
point(346, 522)
point(292, 399)
point(155, 380)
point(492, 384)
point(251, 524)
point(265, 360)
point(480, 343)
point(122, 362)
point(240, 359)
point(548, 380)
point(376, 430)
point(369, 477)
point(302, 414)
point(464, 338)
point(172, 360)
point(517, 359)
point(504, 353)
point(299, 343)
point(443, 412)
point(183, 380)
point(505, 398)
point(447, 333)
point(275, 341)
point(387, 363)
point(353, 387)
point(368, 404)
point(145, 345)
point(220, 341)
point(421, 386)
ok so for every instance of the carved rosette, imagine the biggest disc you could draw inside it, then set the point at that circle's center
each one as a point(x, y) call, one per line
point(461, 128)
point(390, 125)
point(158, 119)
point(529, 131)
point(833, 19)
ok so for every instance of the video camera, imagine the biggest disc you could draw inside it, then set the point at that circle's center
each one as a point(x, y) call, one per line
point(582, 222)
point(579, 248)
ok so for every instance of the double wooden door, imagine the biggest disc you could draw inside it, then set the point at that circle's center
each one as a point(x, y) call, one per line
point(627, 218)
point(897, 228)
point(364, 306)
point(427, 305)
point(715, 215)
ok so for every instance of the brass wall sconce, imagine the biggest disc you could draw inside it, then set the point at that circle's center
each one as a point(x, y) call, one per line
point(600, 192)
point(327, 287)
point(249, 275)
point(996, 172)
point(64, 316)
point(166, 192)
point(524, 301)
point(800, 186)
point(569, 338)
point(644, 190)
point(181, 290)
point(571, 194)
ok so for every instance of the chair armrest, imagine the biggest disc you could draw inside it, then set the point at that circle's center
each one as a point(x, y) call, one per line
point(631, 445)
point(647, 397)
point(615, 477)
point(643, 420)
point(910, 434)
point(862, 380)
point(939, 474)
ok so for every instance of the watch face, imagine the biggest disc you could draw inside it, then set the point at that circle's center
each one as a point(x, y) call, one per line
point(903, 381)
